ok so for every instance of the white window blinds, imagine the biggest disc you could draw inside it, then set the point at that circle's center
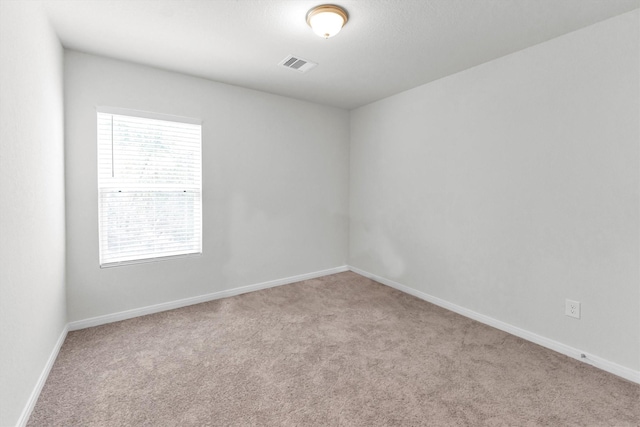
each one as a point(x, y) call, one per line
point(149, 188)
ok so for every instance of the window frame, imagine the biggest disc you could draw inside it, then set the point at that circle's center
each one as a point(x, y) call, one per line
point(137, 114)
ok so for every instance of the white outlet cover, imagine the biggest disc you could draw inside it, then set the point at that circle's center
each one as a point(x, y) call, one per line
point(572, 308)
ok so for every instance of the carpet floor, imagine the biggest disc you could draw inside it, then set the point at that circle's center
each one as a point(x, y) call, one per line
point(340, 350)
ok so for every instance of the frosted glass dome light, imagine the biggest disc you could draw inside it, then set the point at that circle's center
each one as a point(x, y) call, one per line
point(327, 20)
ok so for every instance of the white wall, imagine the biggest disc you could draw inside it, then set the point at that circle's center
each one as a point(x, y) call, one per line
point(32, 239)
point(511, 186)
point(275, 185)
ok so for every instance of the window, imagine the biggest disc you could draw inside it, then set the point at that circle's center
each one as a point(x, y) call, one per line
point(149, 187)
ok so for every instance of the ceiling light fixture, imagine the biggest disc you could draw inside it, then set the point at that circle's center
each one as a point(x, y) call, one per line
point(327, 20)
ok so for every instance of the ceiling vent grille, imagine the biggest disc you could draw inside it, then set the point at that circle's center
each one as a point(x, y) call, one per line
point(297, 64)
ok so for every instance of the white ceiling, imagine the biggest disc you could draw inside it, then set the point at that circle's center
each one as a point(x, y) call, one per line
point(386, 47)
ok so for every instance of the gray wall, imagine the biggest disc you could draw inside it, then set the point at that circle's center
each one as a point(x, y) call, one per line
point(32, 234)
point(275, 186)
point(511, 186)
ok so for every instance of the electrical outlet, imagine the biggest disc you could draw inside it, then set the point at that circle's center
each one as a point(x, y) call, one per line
point(572, 308)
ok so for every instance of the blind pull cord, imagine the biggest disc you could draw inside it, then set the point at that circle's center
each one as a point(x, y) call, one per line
point(112, 160)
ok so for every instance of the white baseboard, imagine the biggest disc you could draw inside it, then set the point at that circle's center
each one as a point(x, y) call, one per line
point(598, 362)
point(136, 312)
point(33, 398)
point(101, 320)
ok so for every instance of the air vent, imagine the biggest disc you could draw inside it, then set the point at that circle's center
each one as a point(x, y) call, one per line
point(297, 64)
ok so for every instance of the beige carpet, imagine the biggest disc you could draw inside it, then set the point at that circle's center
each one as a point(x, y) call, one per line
point(337, 351)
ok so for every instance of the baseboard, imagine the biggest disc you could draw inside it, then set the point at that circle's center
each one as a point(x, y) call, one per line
point(598, 362)
point(101, 320)
point(128, 314)
point(33, 398)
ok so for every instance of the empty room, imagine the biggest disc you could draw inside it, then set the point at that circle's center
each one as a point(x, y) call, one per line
point(295, 213)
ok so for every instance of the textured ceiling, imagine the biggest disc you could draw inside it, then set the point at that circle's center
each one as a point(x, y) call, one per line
point(386, 47)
